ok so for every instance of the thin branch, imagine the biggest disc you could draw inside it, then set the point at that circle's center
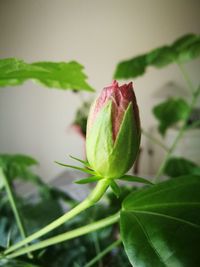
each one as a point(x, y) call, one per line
point(154, 140)
point(179, 135)
point(68, 235)
point(13, 205)
point(103, 253)
point(92, 198)
point(186, 77)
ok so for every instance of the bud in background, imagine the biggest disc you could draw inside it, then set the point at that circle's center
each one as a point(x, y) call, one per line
point(113, 131)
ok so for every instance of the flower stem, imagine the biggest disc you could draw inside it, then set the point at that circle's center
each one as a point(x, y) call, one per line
point(103, 253)
point(68, 235)
point(186, 77)
point(92, 198)
point(13, 204)
point(195, 96)
point(154, 140)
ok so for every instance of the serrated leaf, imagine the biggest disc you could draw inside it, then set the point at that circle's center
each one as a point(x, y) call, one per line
point(115, 188)
point(160, 225)
point(61, 75)
point(170, 112)
point(137, 179)
point(17, 166)
point(182, 50)
point(179, 166)
point(131, 68)
point(91, 179)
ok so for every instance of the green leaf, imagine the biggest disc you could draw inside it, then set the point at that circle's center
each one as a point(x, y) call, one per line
point(137, 179)
point(131, 68)
point(182, 50)
point(115, 188)
point(160, 225)
point(59, 75)
point(15, 263)
point(91, 179)
point(179, 166)
point(170, 112)
point(18, 166)
point(160, 57)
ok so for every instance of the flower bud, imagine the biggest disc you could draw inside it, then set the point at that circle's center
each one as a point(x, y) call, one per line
point(113, 131)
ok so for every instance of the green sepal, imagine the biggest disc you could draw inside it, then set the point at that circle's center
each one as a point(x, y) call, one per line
point(76, 168)
point(88, 180)
point(115, 188)
point(137, 179)
point(99, 141)
point(107, 158)
point(84, 162)
point(126, 145)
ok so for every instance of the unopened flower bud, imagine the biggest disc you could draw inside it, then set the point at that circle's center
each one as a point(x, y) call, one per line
point(113, 131)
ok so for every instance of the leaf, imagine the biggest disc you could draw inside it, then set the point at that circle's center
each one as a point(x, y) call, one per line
point(59, 75)
point(91, 179)
point(15, 263)
point(179, 166)
point(170, 112)
point(131, 178)
point(160, 225)
point(184, 49)
point(18, 166)
point(131, 68)
point(115, 188)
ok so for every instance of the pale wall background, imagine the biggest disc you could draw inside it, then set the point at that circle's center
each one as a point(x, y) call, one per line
point(35, 120)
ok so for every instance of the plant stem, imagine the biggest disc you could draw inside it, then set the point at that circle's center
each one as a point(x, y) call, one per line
point(13, 204)
point(179, 135)
point(154, 140)
point(103, 253)
point(186, 77)
point(92, 198)
point(68, 235)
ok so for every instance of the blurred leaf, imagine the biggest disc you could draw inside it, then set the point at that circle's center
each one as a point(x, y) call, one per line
point(161, 57)
point(15, 263)
point(18, 166)
point(182, 50)
point(137, 179)
point(170, 112)
point(39, 214)
point(59, 75)
point(179, 166)
point(160, 225)
point(81, 117)
point(131, 68)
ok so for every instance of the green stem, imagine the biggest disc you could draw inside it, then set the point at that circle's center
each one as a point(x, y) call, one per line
point(154, 140)
point(103, 253)
point(68, 235)
point(92, 198)
point(186, 77)
point(179, 135)
point(13, 204)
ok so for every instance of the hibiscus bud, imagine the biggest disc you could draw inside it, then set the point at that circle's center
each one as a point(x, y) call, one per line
point(113, 131)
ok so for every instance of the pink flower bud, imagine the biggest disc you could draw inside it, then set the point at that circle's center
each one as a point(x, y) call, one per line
point(107, 130)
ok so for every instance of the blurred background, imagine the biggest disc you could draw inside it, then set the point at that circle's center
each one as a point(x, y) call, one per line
point(98, 34)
